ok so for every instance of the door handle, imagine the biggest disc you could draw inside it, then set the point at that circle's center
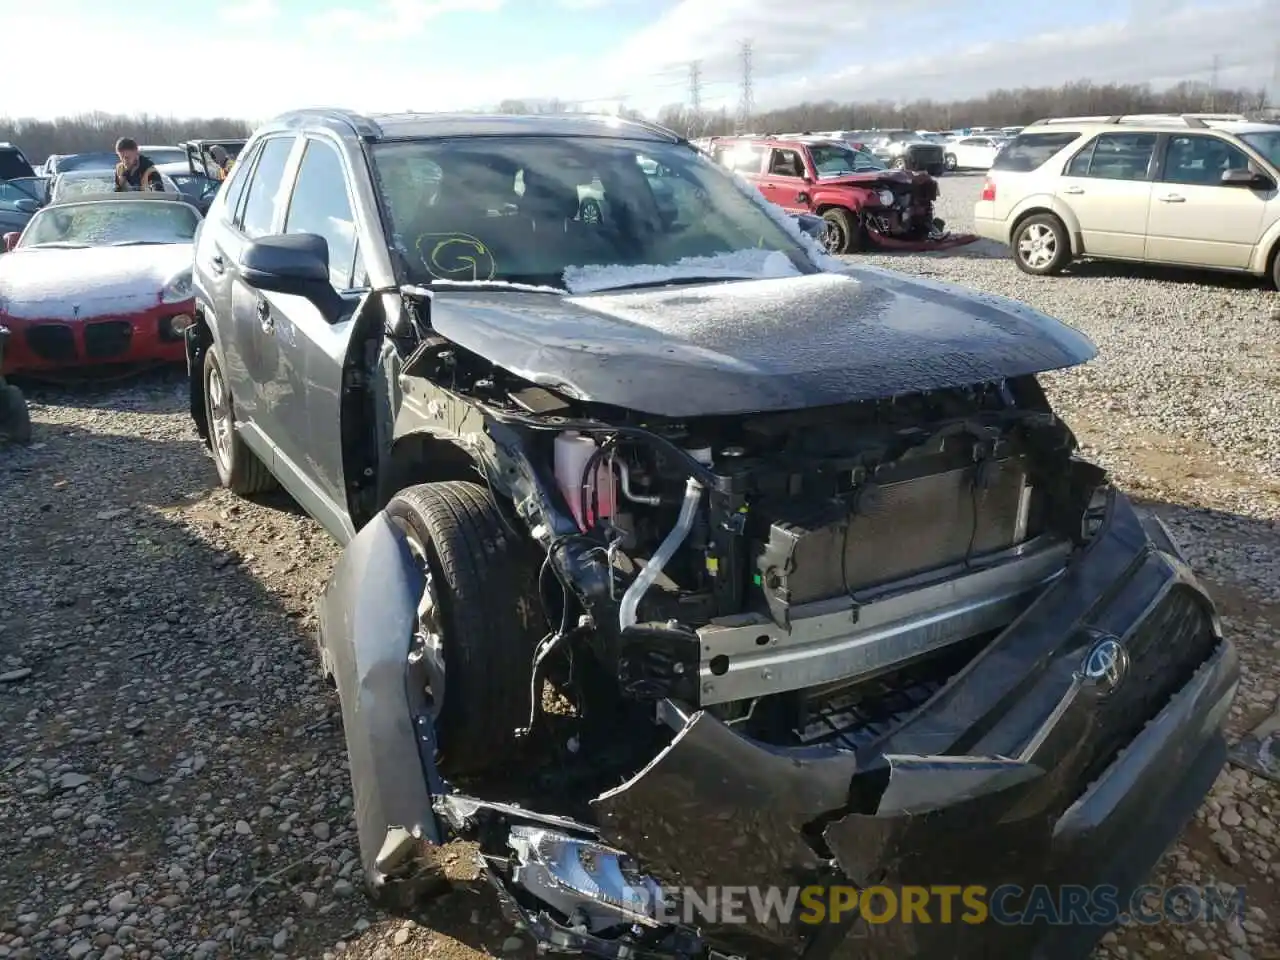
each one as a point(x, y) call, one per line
point(1172, 198)
point(217, 264)
point(1074, 190)
point(265, 318)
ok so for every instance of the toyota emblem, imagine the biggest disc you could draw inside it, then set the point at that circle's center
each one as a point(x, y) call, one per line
point(1105, 665)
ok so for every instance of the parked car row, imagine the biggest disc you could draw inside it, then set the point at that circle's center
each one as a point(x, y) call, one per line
point(185, 170)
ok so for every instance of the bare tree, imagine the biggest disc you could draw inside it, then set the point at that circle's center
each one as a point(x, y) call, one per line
point(997, 108)
point(98, 131)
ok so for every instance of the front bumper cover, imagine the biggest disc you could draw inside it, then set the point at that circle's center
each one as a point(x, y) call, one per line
point(1009, 775)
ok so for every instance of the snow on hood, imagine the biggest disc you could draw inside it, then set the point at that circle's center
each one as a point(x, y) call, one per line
point(739, 265)
point(50, 283)
point(821, 259)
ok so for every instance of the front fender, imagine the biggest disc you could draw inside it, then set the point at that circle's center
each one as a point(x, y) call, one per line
point(368, 615)
point(1270, 240)
point(830, 198)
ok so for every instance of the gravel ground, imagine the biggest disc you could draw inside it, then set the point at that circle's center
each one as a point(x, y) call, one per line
point(173, 781)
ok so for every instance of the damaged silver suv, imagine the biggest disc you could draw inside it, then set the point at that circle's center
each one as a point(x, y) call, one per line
point(678, 555)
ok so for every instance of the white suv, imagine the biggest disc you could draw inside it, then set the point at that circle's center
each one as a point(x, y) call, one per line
point(1192, 190)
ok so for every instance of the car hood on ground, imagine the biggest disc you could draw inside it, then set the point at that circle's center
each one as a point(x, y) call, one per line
point(52, 283)
point(758, 345)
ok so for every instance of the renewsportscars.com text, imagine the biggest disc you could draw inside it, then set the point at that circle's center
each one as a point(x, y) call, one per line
point(1069, 905)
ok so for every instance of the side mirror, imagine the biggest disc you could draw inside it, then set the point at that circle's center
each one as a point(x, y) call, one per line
point(296, 264)
point(26, 206)
point(1247, 178)
point(11, 241)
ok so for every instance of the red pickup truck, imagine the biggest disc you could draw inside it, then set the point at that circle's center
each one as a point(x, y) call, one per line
point(863, 202)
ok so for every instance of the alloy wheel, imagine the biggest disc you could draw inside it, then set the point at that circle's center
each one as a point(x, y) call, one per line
point(220, 417)
point(1038, 246)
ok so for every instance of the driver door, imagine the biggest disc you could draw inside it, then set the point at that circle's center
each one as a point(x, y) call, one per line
point(310, 405)
point(785, 181)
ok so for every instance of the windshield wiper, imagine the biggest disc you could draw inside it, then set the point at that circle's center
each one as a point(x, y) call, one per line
point(60, 245)
point(671, 281)
point(143, 243)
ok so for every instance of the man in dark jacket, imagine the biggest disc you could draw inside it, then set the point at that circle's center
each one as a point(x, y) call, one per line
point(135, 171)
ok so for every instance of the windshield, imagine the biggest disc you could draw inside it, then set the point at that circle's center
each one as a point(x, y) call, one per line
point(80, 186)
point(832, 160)
point(165, 154)
point(36, 187)
point(530, 210)
point(111, 223)
point(901, 136)
point(88, 161)
point(1267, 143)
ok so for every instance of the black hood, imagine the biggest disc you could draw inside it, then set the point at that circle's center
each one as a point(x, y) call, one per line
point(759, 345)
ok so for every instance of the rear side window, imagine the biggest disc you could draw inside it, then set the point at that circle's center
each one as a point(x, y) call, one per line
point(1030, 151)
point(267, 192)
point(1114, 156)
point(741, 158)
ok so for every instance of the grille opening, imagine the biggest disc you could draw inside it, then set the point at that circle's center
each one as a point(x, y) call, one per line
point(851, 714)
point(107, 338)
point(52, 341)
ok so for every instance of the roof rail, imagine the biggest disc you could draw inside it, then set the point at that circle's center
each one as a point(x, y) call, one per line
point(360, 125)
point(1195, 120)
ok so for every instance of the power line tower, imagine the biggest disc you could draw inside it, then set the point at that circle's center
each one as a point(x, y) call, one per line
point(746, 103)
point(1211, 95)
point(695, 87)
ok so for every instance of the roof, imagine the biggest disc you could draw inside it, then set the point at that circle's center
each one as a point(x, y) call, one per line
point(129, 196)
point(1226, 122)
point(419, 126)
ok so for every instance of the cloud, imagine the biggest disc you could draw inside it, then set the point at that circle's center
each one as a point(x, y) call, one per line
point(846, 50)
point(249, 12)
point(1161, 49)
point(391, 19)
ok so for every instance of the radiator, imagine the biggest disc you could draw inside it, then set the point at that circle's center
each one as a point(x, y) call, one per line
point(889, 532)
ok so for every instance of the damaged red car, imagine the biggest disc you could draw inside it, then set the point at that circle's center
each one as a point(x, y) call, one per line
point(864, 203)
point(680, 555)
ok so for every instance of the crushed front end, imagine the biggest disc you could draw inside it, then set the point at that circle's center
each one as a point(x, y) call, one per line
point(898, 214)
point(852, 645)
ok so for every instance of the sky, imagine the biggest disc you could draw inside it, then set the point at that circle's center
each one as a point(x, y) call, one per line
point(255, 58)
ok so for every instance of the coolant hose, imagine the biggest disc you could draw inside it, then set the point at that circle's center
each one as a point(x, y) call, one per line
point(627, 610)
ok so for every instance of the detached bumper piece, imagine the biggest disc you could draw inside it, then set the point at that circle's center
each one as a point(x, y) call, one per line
point(944, 242)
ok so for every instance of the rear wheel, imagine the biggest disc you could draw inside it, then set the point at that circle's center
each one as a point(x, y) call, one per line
point(479, 621)
point(1275, 267)
point(950, 161)
point(1040, 245)
point(589, 211)
point(239, 468)
point(900, 163)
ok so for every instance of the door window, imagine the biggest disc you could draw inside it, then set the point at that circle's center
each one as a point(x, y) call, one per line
point(268, 191)
point(786, 163)
point(1201, 160)
point(320, 205)
point(1115, 156)
point(240, 176)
